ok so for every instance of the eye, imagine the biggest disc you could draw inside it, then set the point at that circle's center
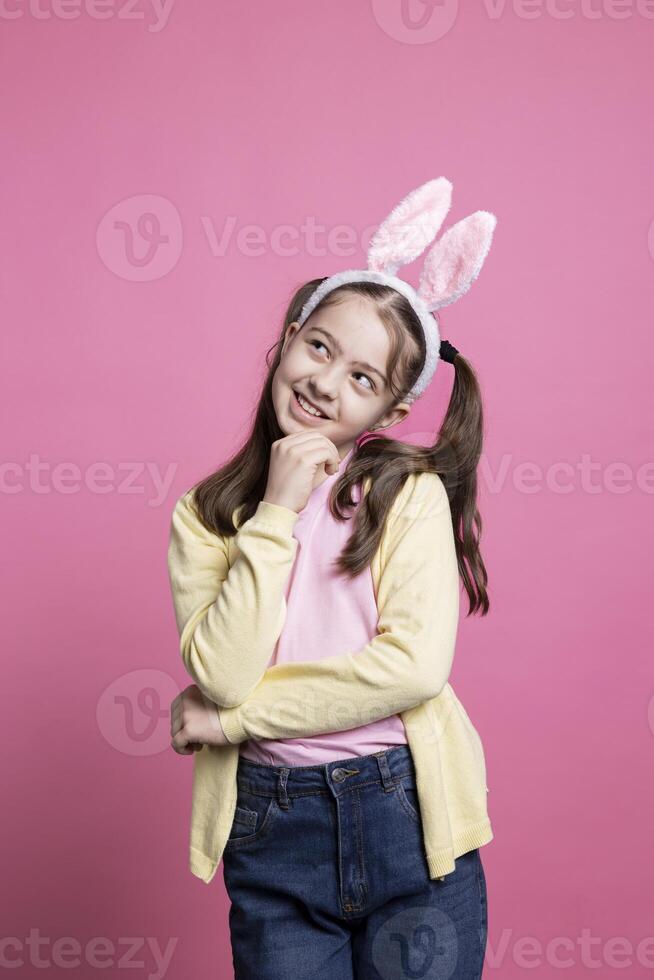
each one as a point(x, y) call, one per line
point(320, 344)
point(372, 386)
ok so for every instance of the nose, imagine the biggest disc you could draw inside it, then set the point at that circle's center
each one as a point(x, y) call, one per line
point(324, 383)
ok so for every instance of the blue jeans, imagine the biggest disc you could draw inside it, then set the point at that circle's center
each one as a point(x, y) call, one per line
point(327, 878)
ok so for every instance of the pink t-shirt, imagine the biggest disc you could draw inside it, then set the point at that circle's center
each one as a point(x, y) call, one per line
point(327, 614)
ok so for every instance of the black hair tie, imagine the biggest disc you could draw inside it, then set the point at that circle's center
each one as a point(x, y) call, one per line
point(447, 352)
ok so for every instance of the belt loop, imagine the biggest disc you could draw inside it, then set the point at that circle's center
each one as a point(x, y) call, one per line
point(281, 789)
point(382, 762)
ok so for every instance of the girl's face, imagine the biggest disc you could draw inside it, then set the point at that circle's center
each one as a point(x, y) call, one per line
point(337, 361)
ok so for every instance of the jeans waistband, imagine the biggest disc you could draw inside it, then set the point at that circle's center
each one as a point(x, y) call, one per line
point(338, 776)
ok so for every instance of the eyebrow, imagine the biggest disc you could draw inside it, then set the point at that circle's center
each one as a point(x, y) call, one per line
point(338, 347)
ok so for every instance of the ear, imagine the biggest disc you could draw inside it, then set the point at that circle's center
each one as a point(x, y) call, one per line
point(290, 332)
point(393, 417)
point(453, 263)
point(410, 227)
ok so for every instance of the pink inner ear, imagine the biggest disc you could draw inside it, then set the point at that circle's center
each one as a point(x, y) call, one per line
point(453, 263)
point(407, 231)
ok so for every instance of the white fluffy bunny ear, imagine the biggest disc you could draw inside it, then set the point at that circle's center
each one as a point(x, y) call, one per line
point(410, 227)
point(453, 263)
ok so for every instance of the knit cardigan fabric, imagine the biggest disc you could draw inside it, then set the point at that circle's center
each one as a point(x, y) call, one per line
point(229, 595)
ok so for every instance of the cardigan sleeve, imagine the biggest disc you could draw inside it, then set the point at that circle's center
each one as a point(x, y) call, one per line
point(406, 663)
point(230, 618)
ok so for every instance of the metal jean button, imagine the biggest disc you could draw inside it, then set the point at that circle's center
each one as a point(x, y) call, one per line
point(338, 775)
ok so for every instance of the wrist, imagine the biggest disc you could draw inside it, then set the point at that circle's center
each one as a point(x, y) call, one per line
point(212, 726)
point(275, 515)
point(276, 502)
point(232, 725)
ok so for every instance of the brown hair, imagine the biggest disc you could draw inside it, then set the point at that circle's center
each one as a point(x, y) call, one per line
point(241, 482)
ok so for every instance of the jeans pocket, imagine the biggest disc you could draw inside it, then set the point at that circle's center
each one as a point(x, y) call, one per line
point(253, 816)
point(407, 795)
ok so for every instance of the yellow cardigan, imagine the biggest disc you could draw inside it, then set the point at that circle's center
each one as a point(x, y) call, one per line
point(228, 595)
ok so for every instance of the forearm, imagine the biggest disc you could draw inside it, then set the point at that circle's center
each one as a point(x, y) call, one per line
point(228, 638)
point(300, 699)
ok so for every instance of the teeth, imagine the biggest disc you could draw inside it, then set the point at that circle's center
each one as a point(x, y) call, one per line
point(308, 407)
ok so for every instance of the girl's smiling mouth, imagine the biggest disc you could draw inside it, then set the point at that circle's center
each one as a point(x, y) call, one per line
point(307, 408)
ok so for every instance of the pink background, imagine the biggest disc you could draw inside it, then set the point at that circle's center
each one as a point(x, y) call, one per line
point(128, 362)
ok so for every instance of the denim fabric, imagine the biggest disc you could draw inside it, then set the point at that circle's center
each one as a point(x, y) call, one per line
point(327, 878)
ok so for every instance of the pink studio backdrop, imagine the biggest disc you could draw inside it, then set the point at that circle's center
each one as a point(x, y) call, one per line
point(162, 170)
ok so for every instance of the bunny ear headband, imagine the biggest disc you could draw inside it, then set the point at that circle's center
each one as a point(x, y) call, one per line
point(450, 267)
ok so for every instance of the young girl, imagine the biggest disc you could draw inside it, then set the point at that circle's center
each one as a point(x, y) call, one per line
point(315, 580)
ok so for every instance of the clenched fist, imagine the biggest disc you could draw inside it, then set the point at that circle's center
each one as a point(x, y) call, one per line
point(194, 722)
point(298, 464)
